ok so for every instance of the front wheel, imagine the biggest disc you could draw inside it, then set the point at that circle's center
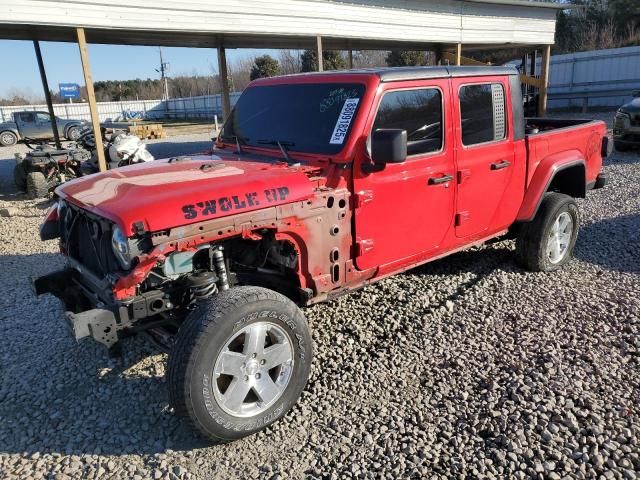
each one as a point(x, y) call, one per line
point(546, 243)
point(239, 363)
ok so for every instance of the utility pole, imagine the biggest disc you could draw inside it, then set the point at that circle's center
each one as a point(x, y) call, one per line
point(163, 68)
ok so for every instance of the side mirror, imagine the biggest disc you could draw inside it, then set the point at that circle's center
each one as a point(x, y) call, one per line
point(388, 145)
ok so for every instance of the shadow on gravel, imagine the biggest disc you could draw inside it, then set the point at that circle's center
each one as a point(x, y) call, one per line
point(60, 396)
point(613, 243)
point(629, 157)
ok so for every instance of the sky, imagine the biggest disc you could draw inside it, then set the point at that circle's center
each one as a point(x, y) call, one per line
point(108, 62)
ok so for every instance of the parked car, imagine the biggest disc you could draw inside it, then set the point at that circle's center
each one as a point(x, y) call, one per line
point(626, 126)
point(319, 184)
point(37, 125)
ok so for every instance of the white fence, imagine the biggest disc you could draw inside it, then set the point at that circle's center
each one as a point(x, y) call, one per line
point(204, 107)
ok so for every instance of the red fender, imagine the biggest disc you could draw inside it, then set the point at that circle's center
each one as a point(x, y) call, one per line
point(542, 177)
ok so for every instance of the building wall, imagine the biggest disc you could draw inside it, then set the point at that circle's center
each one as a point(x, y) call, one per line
point(438, 21)
point(602, 77)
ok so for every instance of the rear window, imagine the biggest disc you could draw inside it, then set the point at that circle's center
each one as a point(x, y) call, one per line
point(483, 113)
point(311, 118)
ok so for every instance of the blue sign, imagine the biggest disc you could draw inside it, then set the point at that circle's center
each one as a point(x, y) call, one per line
point(69, 90)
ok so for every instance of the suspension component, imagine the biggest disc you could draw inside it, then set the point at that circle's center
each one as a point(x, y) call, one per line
point(220, 267)
point(202, 285)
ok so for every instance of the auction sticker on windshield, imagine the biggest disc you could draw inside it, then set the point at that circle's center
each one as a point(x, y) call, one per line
point(344, 120)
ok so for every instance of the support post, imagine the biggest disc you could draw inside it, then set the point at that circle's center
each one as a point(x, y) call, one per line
point(438, 55)
point(459, 54)
point(91, 97)
point(350, 58)
point(320, 66)
point(224, 80)
point(47, 94)
point(544, 79)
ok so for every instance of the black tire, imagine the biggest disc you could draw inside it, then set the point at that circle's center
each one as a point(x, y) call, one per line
point(621, 147)
point(20, 177)
point(204, 336)
point(73, 133)
point(37, 186)
point(533, 238)
point(8, 138)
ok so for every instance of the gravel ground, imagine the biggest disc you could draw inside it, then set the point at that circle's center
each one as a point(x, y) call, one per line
point(468, 367)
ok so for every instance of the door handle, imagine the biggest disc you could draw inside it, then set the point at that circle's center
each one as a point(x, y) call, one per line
point(500, 165)
point(440, 180)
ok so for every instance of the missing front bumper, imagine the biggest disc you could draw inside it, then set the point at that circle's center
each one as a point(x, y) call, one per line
point(84, 317)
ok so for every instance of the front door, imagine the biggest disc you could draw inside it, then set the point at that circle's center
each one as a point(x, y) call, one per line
point(43, 128)
point(407, 208)
point(485, 154)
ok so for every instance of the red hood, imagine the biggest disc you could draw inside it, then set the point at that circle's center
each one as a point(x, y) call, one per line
point(164, 194)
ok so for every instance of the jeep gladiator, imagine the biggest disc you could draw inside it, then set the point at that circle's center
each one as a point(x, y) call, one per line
point(37, 126)
point(318, 184)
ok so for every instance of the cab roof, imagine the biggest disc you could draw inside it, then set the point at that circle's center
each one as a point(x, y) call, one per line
point(392, 74)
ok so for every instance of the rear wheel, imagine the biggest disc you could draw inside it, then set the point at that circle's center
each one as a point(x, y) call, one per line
point(37, 186)
point(8, 138)
point(20, 177)
point(546, 243)
point(73, 133)
point(240, 362)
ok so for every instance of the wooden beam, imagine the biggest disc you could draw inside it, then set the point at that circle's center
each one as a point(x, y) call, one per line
point(320, 66)
point(224, 82)
point(93, 107)
point(534, 82)
point(459, 54)
point(453, 59)
point(544, 77)
point(47, 94)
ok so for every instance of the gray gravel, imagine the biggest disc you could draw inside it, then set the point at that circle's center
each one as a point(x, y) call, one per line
point(465, 368)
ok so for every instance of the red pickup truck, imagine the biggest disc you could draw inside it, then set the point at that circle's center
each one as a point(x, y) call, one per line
point(318, 184)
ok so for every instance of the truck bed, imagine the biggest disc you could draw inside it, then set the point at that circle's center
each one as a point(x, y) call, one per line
point(566, 138)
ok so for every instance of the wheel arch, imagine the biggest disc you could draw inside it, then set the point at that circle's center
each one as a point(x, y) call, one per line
point(563, 173)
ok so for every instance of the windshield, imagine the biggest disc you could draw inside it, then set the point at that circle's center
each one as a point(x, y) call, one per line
point(310, 118)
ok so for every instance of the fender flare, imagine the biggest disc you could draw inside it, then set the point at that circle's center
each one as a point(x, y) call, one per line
point(68, 126)
point(545, 172)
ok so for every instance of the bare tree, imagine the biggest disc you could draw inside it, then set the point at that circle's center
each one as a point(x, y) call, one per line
point(290, 61)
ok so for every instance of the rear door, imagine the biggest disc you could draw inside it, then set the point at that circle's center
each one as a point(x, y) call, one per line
point(27, 125)
point(407, 208)
point(484, 152)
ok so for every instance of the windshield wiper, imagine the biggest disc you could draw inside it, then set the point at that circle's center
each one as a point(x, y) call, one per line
point(282, 145)
point(237, 140)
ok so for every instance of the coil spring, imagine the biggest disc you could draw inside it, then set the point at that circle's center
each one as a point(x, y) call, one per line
point(203, 285)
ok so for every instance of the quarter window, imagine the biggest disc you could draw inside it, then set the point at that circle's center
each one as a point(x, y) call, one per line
point(483, 113)
point(419, 112)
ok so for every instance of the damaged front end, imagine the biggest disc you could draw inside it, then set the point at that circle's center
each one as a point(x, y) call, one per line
point(108, 288)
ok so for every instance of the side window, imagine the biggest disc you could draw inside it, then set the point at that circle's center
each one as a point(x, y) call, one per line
point(483, 113)
point(419, 112)
point(27, 117)
point(43, 117)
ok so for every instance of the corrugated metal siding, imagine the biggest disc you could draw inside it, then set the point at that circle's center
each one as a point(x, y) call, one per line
point(612, 73)
point(205, 106)
point(442, 21)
